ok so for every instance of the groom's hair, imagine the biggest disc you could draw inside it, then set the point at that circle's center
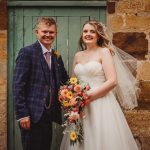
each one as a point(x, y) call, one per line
point(46, 20)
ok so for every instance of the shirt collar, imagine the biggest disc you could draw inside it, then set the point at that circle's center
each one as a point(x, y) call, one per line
point(44, 49)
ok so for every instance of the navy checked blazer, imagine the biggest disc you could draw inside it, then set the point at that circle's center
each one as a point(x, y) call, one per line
point(31, 83)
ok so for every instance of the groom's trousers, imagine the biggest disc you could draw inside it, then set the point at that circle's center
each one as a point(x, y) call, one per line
point(39, 136)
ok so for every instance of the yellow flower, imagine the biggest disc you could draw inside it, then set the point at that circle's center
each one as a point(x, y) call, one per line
point(73, 136)
point(73, 80)
point(56, 53)
point(65, 103)
point(69, 95)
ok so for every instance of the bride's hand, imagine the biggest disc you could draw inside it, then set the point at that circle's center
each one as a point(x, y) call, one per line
point(91, 96)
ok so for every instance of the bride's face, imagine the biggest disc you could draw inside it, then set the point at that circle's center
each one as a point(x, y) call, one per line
point(89, 34)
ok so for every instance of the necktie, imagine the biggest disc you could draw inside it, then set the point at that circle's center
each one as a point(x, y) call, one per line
point(49, 98)
point(48, 60)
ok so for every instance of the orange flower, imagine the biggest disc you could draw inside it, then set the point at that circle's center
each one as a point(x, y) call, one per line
point(77, 88)
point(72, 102)
point(64, 92)
point(56, 53)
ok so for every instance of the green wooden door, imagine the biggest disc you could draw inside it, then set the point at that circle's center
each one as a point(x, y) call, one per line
point(21, 33)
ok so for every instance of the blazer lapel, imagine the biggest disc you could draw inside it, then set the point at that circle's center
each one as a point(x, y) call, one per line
point(55, 68)
point(44, 64)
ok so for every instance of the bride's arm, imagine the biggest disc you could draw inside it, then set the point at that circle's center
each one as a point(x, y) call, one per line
point(110, 74)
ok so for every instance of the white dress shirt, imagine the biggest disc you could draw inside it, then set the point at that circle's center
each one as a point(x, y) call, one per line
point(45, 50)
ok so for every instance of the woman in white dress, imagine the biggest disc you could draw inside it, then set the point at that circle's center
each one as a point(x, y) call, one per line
point(105, 126)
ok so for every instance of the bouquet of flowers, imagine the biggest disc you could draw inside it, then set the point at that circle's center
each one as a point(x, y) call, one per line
point(73, 98)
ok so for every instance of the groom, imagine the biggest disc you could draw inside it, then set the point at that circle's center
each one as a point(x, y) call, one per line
point(38, 74)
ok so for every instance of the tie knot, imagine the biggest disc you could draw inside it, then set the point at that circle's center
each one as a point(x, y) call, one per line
point(48, 53)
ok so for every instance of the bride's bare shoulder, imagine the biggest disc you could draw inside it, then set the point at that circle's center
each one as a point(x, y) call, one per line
point(104, 51)
point(79, 54)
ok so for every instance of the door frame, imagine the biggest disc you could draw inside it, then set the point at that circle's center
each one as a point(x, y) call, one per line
point(57, 3)
point(21, 4)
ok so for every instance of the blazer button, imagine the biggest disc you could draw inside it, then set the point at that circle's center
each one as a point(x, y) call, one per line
point(44, 99)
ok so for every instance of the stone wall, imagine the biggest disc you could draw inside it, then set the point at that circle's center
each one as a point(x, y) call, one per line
point(3, 75)
point(129, 21)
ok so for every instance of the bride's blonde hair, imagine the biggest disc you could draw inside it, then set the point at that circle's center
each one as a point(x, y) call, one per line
point(103, 39)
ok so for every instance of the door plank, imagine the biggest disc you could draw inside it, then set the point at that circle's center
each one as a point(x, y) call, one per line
point(10, 79)
point(19, 42)
point(62, 37)
point(74, 34)
point(38, 12)
point(19, 37)
point(102, 14)
point(28, 31)
point(71, 11)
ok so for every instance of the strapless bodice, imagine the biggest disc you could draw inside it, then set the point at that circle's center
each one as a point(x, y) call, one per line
point(91, 72)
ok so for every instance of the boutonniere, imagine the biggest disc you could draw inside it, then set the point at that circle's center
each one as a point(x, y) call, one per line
point(56, 54)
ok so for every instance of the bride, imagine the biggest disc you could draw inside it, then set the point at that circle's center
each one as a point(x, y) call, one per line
point(105, 126)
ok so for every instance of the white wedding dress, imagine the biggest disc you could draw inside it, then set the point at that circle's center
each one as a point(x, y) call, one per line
point(105, 126)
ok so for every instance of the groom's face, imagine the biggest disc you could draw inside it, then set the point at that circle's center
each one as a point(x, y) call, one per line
point(46, 34)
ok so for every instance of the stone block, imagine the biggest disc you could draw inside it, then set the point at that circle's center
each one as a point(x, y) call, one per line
point(3, 69)
point(3, 142)
point(3, 125)
point(3, 108)
point(2, 34)
point(137, 21)
point(139, 122)
point(145, 91)
point(132, 42)
point(147, 8)
point(3, 56)
point(143, 71)
point(3, 15)
point(146, 5)
point(115, 22)
point(128, 6)
point(3, 89)
point(142, 105)
point(3, 40)
point(145, 143)
point(111, 7)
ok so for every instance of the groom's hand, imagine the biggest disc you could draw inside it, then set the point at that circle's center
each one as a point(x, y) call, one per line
point(25, 123)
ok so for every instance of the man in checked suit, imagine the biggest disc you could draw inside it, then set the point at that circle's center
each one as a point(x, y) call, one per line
point(37, 78)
